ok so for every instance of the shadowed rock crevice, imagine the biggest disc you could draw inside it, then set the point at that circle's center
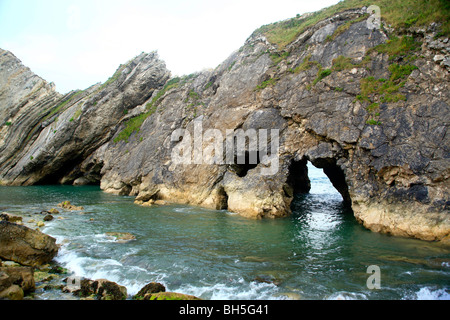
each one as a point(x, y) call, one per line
point(245, 162)
point(298, 180)
point(222, 199)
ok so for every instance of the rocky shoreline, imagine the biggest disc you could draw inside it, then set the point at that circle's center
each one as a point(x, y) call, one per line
point(369, 107)
point(28, 269)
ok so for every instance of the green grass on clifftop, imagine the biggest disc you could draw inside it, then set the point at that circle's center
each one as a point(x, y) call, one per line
point(397, 13)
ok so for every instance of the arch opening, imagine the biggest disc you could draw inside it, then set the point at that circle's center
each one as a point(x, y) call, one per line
point(299, 180)
point(335, 175)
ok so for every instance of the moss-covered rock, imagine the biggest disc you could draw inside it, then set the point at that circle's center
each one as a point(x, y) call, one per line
point(169, 296)
point(101, 289)
point(68, 206)
point(152, 287)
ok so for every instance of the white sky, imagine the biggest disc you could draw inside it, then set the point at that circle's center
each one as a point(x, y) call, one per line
point(77, 43)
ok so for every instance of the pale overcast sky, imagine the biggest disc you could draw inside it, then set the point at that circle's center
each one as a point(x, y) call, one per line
point(77, 43)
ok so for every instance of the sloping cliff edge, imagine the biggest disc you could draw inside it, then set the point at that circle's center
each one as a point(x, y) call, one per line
point(368, 105)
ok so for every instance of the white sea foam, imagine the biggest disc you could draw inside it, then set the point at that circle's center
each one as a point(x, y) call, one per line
point(132, 277)
point(236, 290)
point(344, 295)
point(72, 262)
point(427, 293)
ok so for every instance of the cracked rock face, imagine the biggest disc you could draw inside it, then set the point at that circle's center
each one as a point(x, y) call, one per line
point(386, 152)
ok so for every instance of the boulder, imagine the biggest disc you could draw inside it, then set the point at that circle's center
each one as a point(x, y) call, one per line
point(4, 216)
point(152, 287)
point(26, 246)
point(100, 289)
point(21, 276)
point(15, 282)
point(14, 292)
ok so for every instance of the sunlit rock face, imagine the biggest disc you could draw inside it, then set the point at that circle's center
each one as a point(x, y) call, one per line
point(377, 126)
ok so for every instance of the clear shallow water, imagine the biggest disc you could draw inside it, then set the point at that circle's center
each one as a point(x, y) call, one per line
point(320, 252)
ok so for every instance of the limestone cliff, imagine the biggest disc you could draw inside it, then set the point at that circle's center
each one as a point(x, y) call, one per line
point(44, 135)
point(369, 106)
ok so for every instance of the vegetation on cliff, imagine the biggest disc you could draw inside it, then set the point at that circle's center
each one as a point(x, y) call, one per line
point(134, 124)
point(399, 14)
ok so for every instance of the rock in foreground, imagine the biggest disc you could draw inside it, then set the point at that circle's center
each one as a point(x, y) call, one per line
point(152, 287)
point(101, 289)
point(26, 246)
point(15, 282)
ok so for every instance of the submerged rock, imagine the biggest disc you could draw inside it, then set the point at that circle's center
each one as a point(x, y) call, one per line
point(121, 237)
point(68, 206)
point(26, 246)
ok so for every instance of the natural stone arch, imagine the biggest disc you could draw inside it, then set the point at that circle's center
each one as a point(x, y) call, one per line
point(298, 180)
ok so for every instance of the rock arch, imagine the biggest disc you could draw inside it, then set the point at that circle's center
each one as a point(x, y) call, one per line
point(298, 180)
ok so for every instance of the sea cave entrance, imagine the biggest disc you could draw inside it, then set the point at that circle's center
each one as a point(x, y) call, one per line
point(303, 174)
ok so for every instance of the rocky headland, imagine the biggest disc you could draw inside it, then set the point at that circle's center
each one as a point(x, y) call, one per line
point(368, 105)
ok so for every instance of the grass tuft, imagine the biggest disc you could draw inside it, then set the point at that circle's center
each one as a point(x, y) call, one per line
point(267, 83)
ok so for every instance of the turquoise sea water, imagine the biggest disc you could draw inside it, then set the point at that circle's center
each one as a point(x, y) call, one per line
point(320, 252)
